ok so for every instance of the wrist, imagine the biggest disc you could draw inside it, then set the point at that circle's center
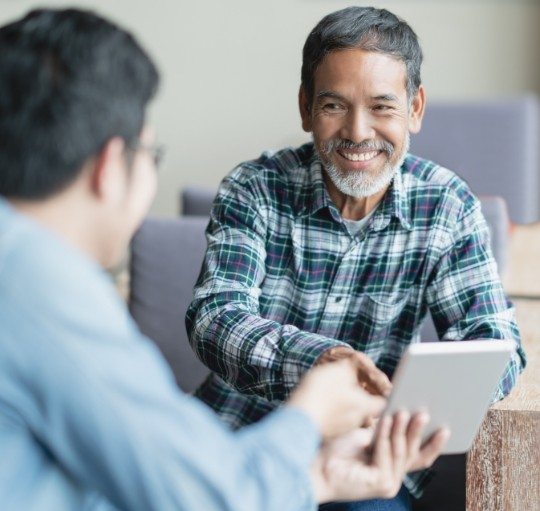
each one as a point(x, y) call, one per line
point(333, 354)
point(321, 491)
point(309, 410)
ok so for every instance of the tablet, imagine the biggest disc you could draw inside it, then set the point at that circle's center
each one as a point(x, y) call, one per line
point(454, 382)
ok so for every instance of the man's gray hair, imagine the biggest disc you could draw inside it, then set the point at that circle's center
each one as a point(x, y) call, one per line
point(367, 28)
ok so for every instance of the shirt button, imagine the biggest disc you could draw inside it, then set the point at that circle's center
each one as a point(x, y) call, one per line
point(338, 299)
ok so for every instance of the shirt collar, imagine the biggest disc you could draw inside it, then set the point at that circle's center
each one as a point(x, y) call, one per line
point(313, 195)
point(317, 197)
point(394, 204)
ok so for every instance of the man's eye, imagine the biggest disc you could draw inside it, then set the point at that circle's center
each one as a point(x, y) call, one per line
point(332, 107)
point(382, 108)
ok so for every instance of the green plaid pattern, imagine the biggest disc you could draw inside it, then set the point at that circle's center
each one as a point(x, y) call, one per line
point(283, 280)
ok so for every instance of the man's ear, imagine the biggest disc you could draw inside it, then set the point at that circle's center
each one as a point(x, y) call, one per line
point(108, 170)
point(305, 109)
point(416, 111)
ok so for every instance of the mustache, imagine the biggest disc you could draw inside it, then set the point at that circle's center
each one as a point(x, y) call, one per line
point(369, 145)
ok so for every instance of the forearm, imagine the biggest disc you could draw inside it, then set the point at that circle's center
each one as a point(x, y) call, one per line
point(499, 325)
point(143, 445)
point(467, 299)
point(495, 325)
point(253, 354)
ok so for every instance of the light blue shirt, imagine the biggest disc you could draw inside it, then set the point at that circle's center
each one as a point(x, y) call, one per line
point(90, 416)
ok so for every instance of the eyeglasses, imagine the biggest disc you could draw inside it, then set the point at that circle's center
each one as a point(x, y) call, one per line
point(156, 151)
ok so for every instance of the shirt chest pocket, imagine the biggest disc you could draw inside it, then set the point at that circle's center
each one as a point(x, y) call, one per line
point(379, 314)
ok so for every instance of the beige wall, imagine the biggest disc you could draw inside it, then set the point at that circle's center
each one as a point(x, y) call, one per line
point(231, 68)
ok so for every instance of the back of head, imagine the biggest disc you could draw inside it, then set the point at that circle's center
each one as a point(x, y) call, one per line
point(69, 81)
point(367, 28)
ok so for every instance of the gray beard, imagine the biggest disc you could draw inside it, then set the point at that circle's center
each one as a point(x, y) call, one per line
point(361, 184)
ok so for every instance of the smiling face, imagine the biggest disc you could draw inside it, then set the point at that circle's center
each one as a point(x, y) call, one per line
point(361, 117)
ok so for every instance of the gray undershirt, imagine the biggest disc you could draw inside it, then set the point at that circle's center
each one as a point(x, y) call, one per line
point(355, 226)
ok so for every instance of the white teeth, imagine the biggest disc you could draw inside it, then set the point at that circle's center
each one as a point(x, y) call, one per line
point(360, 156)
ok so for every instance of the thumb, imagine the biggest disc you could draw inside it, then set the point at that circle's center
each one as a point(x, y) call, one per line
point(371, 405)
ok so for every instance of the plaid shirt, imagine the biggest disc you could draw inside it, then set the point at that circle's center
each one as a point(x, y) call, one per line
point(283, 280)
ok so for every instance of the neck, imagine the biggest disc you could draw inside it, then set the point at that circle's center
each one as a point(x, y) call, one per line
point(67, 216)
point(352, 208)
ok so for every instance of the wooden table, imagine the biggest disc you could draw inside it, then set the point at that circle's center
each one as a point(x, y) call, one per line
point(521, 276)
point(503, 467)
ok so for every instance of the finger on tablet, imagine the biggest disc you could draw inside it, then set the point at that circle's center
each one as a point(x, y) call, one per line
point(399, 443)
point(382, 452)
point(377, 382)
point(414, 434)
point(370, 376)
point(432, 449)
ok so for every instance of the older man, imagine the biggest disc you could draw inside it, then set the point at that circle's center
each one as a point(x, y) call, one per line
point(339, 248)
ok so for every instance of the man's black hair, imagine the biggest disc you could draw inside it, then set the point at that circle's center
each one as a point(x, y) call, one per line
point(368, 28)
point(69, 81)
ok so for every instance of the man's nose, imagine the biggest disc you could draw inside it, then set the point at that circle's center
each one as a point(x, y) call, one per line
point(358, 126)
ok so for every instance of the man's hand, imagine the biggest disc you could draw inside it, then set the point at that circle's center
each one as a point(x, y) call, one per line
point(369, 376)
point(331, 396)
point(352, 468)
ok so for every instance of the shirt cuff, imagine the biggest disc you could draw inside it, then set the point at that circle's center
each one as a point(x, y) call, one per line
point(292, 437)
point(301, 351)
point(291, 433)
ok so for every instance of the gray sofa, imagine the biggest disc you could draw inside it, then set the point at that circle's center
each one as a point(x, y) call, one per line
point(166, 256)
point(492, 144)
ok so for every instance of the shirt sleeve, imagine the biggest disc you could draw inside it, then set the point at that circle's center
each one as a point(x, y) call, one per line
point(253, 354)
point(466, 297)
point(111, 416)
